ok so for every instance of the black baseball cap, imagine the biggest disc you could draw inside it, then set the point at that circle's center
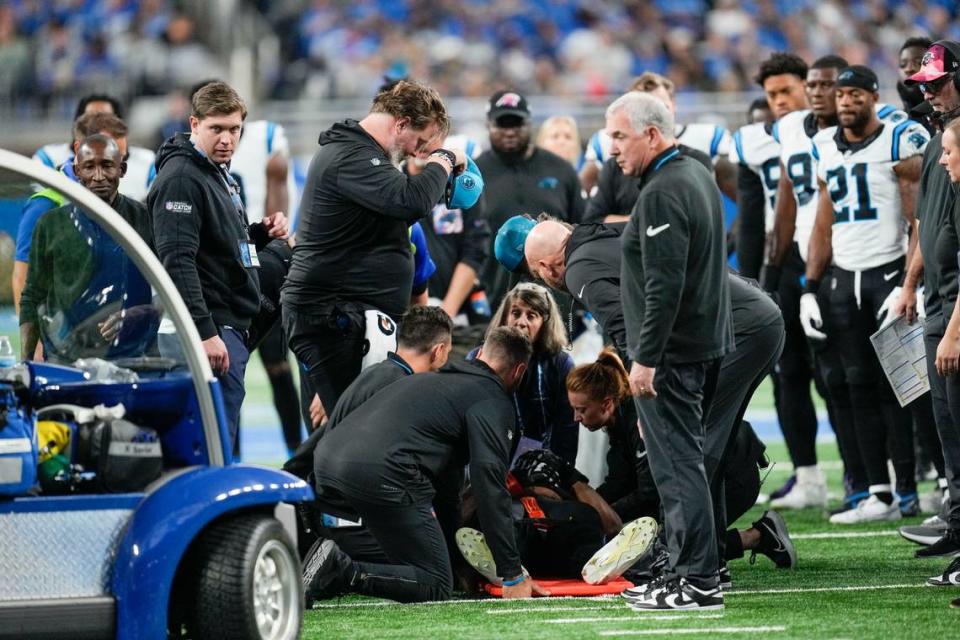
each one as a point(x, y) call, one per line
point(858, 76)
point(507, 103)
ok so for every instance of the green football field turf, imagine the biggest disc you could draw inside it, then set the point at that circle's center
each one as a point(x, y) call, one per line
point(865, 584)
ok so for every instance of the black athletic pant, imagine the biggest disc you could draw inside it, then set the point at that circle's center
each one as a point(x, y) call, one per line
point(945, 396)
point(925, 432)
point(743, 488)
point(329, 346)
point(273, 354)
point(831, 382)
point(741, 372)
point(673, 431)
point(794, 371)
point(855, 300)
point(410, 536)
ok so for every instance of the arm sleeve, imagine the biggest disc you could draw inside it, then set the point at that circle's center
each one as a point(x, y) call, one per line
point(665, 269)
point(488, 424)
point(603, 202)
point(389, 192)
point(476, 236)
point(601, 297)
point(177, 236)
point(751, 233)
point(565, 433)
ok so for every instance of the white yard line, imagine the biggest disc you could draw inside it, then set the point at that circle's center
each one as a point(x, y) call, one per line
point(585, 609)
point(692, 631)
point(674, 616)
point(830, 535)
point(747, 592)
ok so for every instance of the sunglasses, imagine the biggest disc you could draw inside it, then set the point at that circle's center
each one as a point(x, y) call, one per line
point(934, 86)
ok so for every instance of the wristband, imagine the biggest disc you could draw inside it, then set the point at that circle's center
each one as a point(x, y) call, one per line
point(515, 581)
point(448, 156)
point(812, 286)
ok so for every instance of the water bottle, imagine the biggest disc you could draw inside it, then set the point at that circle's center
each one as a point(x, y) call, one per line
point(7, 357)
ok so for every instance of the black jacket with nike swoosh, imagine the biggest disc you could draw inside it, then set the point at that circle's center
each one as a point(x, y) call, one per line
point(676, 298)
point(412, 440)
point(353, 242)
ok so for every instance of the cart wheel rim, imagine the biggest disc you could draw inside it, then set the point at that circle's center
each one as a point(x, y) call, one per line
point(276, 592)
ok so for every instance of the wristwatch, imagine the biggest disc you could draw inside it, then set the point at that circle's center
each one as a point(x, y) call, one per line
point(447, 155)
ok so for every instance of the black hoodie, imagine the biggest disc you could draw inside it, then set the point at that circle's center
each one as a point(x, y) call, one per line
point(199, 230)
point(414, 438)
point(592, 277)
point(353, 242)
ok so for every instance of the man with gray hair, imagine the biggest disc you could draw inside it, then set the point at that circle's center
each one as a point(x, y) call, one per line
point(676, 306)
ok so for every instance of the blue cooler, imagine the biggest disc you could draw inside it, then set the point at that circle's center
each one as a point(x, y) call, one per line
point(18, 451)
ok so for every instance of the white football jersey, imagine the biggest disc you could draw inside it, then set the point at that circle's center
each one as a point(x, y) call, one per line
point(134, 184)
point(260, 141)
point(755, 148)
point(795, 132)
point(711, 139)
point(868, 229)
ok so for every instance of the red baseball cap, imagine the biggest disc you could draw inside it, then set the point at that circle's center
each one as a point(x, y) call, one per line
point(939, 60)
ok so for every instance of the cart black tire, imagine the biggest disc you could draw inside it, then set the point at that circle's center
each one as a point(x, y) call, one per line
point(249, 584)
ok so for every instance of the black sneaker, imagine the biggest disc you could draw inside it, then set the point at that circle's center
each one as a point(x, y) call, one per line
point(949, 578)
point(326, 570)
point(775, 542)
point(948, 545)
point(679, 594)
point(725, 580)
point(955, 603)
point(640, 589)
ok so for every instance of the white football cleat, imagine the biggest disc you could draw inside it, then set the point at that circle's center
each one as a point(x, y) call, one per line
point(621, 552)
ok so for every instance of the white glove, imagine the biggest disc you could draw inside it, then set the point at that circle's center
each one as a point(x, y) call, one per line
point(810, 318)
point(884, 316)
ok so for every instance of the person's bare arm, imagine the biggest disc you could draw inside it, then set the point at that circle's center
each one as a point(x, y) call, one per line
point(906, 305)
point(613, 218)
point(609, 519)
point(821, 250)
point(784, 220)
point(29, 337)
point(726, 177)
point(278, 198)
point(19, 281)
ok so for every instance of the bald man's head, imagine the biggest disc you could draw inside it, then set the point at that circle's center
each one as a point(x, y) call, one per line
point(544, 252)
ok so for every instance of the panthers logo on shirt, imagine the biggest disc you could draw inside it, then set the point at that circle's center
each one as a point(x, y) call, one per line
point(868, 226)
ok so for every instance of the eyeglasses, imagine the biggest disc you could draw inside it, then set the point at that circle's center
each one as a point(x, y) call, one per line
point(934, 86)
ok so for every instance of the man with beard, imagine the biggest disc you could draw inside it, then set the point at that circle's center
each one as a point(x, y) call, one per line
point(519, 178)
point(352, 270)
point(390, 459)
point(867, 173)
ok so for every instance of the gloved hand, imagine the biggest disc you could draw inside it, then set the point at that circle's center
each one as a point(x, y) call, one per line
point(891, 308)
point(810, 318)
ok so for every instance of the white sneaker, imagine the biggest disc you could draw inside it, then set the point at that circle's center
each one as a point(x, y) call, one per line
point(803, 495)
point(930, 502)
point(621, 552)
point(873, 509)
point(473, 546)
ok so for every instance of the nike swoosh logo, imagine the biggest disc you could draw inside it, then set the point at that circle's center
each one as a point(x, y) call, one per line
point(652, 231)
point(888, 276)
point(580, 295)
